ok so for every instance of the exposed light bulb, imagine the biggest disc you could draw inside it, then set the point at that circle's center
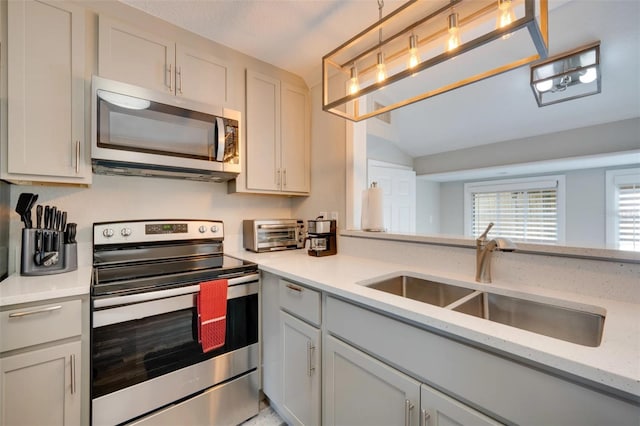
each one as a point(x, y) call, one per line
point(589, 75)
point(506, 14)
point(453, 41)
point(544, 85)
point(414, 60)
point(381, 73)
point(354, 84)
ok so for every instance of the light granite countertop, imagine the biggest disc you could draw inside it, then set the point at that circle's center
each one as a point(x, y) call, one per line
point(18, 289)
point(615, 364)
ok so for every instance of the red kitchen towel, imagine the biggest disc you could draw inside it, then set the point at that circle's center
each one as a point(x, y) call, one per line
point(212, 314)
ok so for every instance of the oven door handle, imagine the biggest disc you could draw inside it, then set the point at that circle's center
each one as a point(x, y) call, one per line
point(233, 291)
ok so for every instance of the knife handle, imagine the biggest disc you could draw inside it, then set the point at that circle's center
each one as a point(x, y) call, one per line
point(38, 216)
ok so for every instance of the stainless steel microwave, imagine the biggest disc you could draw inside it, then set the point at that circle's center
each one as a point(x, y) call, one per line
point(136, 131)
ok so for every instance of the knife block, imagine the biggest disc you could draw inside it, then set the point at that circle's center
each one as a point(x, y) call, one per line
point(36, 261)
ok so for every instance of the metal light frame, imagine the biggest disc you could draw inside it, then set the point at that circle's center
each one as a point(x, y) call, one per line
point(563, 75)
point(408, 20)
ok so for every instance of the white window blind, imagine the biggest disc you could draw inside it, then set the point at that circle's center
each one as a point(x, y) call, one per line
point(623, 209)
point(521, 209)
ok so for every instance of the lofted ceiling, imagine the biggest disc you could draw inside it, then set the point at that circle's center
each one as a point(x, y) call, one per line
point(295, 34)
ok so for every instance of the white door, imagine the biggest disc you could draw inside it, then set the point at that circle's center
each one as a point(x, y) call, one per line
point(301, 373)
point(399, 196)
point(294, 127)
point(437, 409)
point(42, 387)
point(132, 56)
point(201, 77)
point(263, 132)
point(46, 90)
point(360, 390)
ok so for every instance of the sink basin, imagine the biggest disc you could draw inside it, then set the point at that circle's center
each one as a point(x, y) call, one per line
point(571, 325)
point(422, 290)
point(581, 327)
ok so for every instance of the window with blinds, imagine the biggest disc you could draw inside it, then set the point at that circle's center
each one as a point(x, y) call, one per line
point(623, 209)
point(530, 210)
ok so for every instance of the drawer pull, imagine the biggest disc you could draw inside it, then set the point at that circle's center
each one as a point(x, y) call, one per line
point(310, 350)
point(37, 311)
point(294, 288)
point(72, 361)
point(408, 406)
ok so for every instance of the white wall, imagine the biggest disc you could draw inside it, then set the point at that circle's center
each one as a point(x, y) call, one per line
point(328, 159)
point(113, 198)
point(427, 207)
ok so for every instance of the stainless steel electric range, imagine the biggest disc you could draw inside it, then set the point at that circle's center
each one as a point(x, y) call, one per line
point(147, 365)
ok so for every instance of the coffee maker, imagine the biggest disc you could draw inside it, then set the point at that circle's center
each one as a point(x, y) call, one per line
point(322, 237)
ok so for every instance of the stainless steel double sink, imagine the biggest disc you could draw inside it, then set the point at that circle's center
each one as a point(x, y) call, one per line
point(569, 324)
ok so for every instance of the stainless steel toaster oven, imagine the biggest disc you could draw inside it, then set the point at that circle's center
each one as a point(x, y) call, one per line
point(260, 235)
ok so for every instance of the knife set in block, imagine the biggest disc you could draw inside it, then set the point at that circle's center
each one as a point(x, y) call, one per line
point(50, 247)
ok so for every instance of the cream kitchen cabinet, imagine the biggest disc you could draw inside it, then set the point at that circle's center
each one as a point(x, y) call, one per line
point(277, 138)
point(131, 55)
point(291, 349)
point(41, 364)
point(360, 390)
point(45, 96)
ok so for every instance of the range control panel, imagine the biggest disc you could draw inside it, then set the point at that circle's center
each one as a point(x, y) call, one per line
point(156, 230)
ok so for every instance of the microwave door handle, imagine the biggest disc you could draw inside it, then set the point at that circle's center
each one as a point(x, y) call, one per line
point(221, 139)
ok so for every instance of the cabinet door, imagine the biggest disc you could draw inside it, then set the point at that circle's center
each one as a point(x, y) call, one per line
point(132, 56)
point(360, 390)
point(263, 133)
point(301, 373)
point(201, 77)
point(46, 91)
point(42, 387)
point(295, 130)
point(271, 337)
point(437, 409)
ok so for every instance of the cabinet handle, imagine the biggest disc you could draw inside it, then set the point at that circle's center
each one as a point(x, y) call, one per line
point(170, 78)
point(37, 311)
point(179, 80)
point(72, 361)
point(408, 406)
point(425, 417)
point(294, 288)
point(284, 178)
point(278, 177)
point(77, 156)
point(310, 350)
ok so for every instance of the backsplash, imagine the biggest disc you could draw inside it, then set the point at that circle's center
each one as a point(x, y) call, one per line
point(597, 278)
point(112, 198)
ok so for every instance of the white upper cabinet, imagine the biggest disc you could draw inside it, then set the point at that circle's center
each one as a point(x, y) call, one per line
point(277, 138)
point(45, 97)
point(144, 59)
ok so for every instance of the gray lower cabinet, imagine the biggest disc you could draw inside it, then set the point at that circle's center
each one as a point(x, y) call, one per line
point(301, 375)
point(360, 390)
point(291, 349)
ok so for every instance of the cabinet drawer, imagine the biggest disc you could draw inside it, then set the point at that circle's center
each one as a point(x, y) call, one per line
point(40, 324)
point(300, 301)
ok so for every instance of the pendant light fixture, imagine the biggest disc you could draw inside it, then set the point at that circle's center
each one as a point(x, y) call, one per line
point(414, 59)
point(433, 31)
point(453, 41)
point(381, 68)
point(354, 84)
point(506, 15)
point(570, 75)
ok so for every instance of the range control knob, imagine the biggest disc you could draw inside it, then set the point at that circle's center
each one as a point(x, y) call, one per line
point(107, 233)
point(214, 228)
point(125, 232)
point(202, 229)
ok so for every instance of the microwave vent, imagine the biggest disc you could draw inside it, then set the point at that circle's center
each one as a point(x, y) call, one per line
point(121, 168)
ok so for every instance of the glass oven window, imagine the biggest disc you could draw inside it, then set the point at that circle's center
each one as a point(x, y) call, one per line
point(131, 352)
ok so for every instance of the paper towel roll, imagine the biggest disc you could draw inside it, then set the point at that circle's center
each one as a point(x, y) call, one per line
point(372, 212)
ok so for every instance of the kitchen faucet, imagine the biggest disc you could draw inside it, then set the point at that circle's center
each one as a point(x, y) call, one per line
point(484, 250)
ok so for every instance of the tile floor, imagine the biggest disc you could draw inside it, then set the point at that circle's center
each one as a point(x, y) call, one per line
point(266, 417)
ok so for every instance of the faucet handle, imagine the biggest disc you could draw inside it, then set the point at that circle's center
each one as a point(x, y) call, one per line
point(483, 237)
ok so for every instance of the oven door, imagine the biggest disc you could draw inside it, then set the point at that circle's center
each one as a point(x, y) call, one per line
point(145, 352)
